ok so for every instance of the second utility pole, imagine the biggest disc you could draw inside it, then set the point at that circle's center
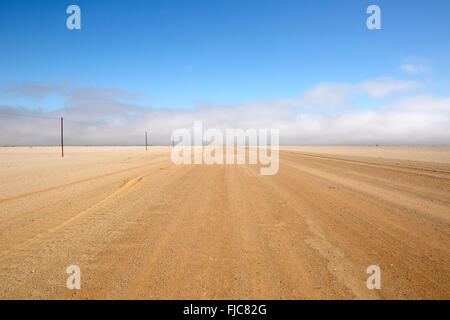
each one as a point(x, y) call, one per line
point(62, 137)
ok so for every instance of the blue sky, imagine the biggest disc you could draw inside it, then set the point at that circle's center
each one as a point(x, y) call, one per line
point(223, 52)
point(189, 54)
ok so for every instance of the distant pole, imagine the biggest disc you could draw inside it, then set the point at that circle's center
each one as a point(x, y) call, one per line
point(62, 137)
point(173, 143)
point(145, 140)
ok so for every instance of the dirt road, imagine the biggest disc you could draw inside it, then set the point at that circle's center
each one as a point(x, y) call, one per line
point(139, 226)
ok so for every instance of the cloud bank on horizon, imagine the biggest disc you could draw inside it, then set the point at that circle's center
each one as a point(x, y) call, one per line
point(326, 114)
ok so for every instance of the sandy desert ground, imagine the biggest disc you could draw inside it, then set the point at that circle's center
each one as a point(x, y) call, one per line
point(139, 226)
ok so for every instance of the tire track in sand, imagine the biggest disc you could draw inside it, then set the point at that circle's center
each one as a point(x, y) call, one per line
point(76, 182)
point(131, 183)
point(139, 283)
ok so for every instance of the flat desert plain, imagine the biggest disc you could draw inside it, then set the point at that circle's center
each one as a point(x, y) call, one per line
point(139, 226)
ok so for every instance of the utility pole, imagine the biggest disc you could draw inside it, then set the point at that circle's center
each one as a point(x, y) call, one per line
point(145, 140)
point(62, 137)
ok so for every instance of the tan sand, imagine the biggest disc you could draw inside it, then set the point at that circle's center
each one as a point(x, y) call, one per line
point(139, 226)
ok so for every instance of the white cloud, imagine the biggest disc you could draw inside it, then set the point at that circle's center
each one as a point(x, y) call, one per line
point(412, 68)
point(340, 94)
point(32, 89)
point(384, 87)
point(414, 65)
point(327, 94)
point(101, 118)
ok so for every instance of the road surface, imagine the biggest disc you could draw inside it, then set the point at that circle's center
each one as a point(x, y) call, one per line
point(140, 227)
